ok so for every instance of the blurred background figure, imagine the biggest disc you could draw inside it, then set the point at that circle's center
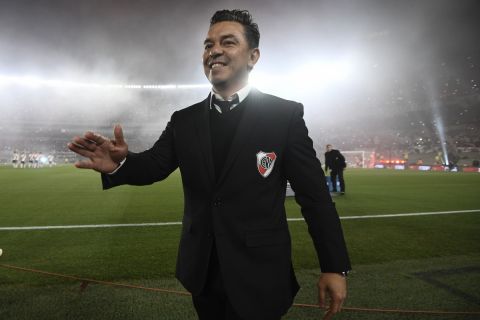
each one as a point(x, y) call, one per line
point(335, 161)
point(15, 159)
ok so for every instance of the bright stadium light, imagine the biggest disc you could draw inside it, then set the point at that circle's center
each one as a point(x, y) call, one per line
point(317, 73)
point(265, 81)
point(313, 76)
point(31, 81)
point(37, 82)
point(133, 86)
point(28, 81)
point(194, 86)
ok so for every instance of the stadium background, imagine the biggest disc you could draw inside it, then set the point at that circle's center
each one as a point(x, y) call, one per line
point(384, 77)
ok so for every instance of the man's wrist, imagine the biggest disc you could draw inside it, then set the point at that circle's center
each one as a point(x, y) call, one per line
point(340, 273)
point(118, 166)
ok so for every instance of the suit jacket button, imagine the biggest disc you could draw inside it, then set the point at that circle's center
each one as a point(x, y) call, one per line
point(217, 202)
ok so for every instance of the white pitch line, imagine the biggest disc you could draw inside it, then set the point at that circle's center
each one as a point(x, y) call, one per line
point(155, 224)
point(86, 226)
point(397, 215)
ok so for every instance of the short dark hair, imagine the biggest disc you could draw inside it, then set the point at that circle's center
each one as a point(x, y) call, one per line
point(243, 17)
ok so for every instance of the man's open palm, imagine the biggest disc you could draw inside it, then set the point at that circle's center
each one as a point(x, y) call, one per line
point(104, 155)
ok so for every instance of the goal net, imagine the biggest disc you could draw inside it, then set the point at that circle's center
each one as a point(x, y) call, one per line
point(356, 159)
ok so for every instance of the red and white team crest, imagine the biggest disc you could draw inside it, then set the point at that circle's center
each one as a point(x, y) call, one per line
point(265, 162)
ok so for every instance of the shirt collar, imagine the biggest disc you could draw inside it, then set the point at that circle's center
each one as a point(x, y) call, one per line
point(242, 94)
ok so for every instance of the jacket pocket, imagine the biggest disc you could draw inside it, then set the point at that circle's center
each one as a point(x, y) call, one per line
point(267, 237)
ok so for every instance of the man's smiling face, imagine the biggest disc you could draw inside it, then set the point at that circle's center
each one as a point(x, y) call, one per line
point(227, 58)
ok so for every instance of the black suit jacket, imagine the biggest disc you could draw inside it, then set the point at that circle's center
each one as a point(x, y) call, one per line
point(243, 210)
point(334, 160)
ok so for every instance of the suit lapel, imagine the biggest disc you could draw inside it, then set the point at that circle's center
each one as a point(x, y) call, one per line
point(202, 122)
point(244, 130)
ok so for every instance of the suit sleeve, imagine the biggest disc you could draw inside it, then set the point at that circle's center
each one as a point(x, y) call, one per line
point(149, 166)
point(342, 160)
point(304, 171)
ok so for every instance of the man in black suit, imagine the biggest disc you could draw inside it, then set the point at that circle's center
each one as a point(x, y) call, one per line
point(235, 151)
point(335, 161)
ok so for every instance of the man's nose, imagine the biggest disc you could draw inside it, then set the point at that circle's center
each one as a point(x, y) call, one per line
point(215, 51)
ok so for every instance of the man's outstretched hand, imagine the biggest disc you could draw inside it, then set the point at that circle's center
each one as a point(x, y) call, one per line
point(335, 286)
point(104, 155)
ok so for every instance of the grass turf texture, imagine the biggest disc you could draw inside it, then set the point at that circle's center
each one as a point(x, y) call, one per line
point(424, 262)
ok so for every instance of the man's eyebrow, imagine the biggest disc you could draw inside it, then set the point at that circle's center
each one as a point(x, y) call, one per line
point(223, 37)
point(228, 36)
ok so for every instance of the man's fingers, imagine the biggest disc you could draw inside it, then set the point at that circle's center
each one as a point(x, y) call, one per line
point(95, 137)
point(334, 308)
point(80, 150)
point(87, 144)
point(328, 315)
point(336, 304)
point(321, 297)
point(84, 164)
point(118, 133)
point(334, 286)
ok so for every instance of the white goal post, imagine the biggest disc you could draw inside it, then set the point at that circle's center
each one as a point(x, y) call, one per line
point(356, 159)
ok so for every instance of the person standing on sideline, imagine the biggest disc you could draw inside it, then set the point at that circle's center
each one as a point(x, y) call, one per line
point(335, 161)
point(23, 159)
point(15, 159)
point(235, 150)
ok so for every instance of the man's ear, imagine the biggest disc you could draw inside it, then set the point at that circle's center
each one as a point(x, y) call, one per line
point(254, 56)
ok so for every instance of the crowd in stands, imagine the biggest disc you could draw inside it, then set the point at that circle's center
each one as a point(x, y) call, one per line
point(418, 133)
point(417, 139)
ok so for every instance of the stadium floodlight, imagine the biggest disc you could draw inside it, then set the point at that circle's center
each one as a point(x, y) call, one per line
point(265, 81)
point(323, 72)
point(132, 86)
point(194, 86)
point(29, 81)
point(38, 82)
point(308, 77)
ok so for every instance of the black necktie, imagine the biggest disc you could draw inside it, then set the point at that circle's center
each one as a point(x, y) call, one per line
point(225, 106)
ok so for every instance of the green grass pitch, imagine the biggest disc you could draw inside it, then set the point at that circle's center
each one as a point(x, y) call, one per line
point(419, 262)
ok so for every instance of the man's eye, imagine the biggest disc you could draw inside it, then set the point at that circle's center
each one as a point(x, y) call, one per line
point(208, 46)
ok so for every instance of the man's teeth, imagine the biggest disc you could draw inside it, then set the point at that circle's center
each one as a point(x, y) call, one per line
point(216, 65)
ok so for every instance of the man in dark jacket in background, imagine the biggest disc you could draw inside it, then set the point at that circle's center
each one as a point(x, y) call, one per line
point(336, 162)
